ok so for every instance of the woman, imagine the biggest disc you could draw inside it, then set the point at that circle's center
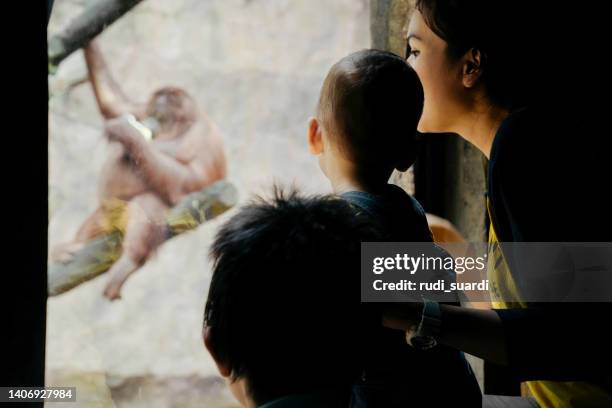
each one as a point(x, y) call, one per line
point(479, 67)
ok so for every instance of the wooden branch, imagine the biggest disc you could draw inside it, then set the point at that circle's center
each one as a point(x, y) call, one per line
point(100, 254)
point(91, 22)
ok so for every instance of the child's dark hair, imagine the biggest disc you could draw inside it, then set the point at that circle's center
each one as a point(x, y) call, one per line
point(371, 101)
point(284, 305)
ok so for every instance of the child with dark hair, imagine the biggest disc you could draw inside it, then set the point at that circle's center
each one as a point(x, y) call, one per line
point(365, 127)
point(283, 319)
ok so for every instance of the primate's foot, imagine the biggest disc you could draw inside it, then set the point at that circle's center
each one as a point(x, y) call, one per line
point(118, 274)
point(112, 291)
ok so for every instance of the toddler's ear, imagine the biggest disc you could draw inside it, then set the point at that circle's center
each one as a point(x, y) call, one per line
point(315, 137)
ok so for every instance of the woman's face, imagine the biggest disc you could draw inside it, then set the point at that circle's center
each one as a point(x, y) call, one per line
point(445, 96)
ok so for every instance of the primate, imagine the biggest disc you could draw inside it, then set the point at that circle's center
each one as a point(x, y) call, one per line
point(159, 153)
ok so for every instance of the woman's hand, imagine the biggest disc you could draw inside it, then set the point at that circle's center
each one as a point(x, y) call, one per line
point(443, 230)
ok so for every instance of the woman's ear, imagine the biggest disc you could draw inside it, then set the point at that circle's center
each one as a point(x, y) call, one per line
point(472, 68)
point(224, 370)
point(315, 137)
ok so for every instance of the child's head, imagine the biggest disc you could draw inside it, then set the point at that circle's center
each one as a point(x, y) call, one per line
point(283, 314)
point(368, 112)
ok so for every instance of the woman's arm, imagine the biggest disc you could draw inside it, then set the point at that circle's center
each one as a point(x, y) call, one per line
point(477, 332)
point(557, 342)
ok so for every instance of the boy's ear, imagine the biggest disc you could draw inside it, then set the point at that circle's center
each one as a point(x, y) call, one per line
point(473, 64)
point(315, 137)
point(223, 369)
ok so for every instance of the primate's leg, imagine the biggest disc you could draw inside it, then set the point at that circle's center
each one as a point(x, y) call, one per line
point(144, 232)
point(92, 227)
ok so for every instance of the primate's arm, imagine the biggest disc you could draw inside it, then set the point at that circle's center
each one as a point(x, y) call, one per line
point(111, 100)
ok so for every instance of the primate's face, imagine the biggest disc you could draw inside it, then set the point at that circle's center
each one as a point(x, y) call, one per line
point(160, 105)
point(170, 107)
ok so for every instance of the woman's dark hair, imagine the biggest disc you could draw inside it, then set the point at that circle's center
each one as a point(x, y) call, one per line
point(499, 30)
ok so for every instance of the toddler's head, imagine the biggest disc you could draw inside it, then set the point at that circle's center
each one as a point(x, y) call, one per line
point(367, 116)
